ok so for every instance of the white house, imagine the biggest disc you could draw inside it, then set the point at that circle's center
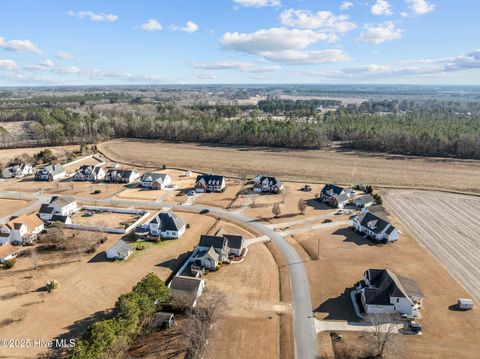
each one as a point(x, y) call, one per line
point(212, 250)
point(155, 180)
point(89, 173)
point(121, 176)
point(17, 170)
point(50, 173)
point(7, 252)
point(165, 225)
point(120, 250)
point(21, 230)
point(375, 227)
point(267, 184)
point(381, 291)
point(186, 289)
point(335, 196)
point(364, 201)
point(61, 207)
point(209, 183)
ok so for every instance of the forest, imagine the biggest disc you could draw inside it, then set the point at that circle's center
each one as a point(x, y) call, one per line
point(408, 127)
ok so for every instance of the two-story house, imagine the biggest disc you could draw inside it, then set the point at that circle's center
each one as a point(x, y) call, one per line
point(375, 227)
point(209, 183)
point(267, 184)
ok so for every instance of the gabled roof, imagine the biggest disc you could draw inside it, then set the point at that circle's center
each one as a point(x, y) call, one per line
point(333, 188)
point(234, 241)
point(272, 181)
point(211, 180)
point(31, 221)
point(7, 250)
point(59, 218)
point(46, 209)
point(152, 177)
point(121, 247)
point(62, 201)
point(385, 284)
point(210, 252)
point(212, 241)
point(187, 284)
point(124, 174)
point(367, 198)
point(343, 197)
point(54, 169)
point(168, 221)
point(375, 223)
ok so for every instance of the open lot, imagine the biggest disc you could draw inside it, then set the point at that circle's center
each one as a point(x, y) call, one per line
point(302, 165)
point(87, 288)
point(9, 206)
point(344, 256)
point(447, 226)
point(220, 199)
point(105, 219)
point(251, 319)
point(59, 151)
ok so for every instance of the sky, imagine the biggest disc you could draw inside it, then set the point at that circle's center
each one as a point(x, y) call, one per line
point(86, 42)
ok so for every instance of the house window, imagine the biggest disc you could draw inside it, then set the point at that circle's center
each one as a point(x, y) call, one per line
point(398, 300)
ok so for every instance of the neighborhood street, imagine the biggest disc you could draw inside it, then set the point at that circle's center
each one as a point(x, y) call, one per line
point(304, 327)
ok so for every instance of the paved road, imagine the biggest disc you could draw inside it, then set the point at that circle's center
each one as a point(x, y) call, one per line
point(304, 327)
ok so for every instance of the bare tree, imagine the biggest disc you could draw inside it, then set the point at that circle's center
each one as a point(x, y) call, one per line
point(302, 205)
point(253, 198)
point(284, 194)
point(385, 331)
point(276, 210)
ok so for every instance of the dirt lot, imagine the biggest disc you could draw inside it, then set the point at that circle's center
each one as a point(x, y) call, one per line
point(344, 256)
point(105, 219)
point(86, 288)
point(301, 165)
point(8, 206)
point(59, 151)
point(251, 320)
point(220, 199)
point(447, 225)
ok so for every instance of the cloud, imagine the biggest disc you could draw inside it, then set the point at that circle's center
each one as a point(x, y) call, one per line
point(322, 20)
point(271, 40)
point(468, 61)
point(298, 57)
point(20, 46)
point(258, 3)
point(346, 5)
point(420, 7)
point(381, 7)
point(206, 76)
point(47, 63)
point(233, 65)
point(64, 55)
point(189, 27)
point(93, 16)
point(377, 34)
point(151, 25)
point(7, 64)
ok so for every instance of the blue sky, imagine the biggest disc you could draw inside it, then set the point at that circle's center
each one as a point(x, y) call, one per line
point(239, 41)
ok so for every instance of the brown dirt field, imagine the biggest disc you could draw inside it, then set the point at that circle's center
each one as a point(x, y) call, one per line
point(59, 151)
point(344, 256)
point(7, 206)
point(64, 187)
point(302, 165)
point(105, 219)
point(251, 320)
point(447, 225)
point(86, 288)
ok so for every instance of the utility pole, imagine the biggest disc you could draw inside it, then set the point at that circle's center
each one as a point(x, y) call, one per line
point(318, 248)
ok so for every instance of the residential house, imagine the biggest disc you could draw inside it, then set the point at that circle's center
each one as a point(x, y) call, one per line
point(121, 176)
point(21, 230)
point(89, 173)
point(209, 183)
point(155, 180)
point(7, 252)
point(166, 225)
point(381, 291)
point(377, 210)
point(375, 227)
point(235, 243)
point(364, 201)
point(335, 196)
point(59, 209)
point(120, 250)
point(267, 184)
point(186, 289)
point(17, 170)
point(50, 173)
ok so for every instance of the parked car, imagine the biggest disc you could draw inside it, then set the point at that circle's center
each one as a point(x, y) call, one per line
point(88, 214)
point(465, 304)
point(414, 327)
point(191, 193)
point(306, 188)
point(327, 220)
point(204, 211)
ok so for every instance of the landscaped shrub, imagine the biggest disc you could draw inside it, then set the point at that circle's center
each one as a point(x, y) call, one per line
point(51, 285)
point(9, 263)
point(97, 191)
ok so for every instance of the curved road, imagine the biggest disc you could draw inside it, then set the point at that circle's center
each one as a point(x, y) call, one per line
point(304, 327)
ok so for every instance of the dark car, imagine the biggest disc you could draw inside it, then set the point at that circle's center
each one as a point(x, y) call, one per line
point(327, 220)
point(415, 327)
point(204, 211)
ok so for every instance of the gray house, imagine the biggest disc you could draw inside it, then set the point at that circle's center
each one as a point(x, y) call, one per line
point(50, 173)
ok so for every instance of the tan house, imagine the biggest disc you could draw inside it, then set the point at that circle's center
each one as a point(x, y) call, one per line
point(21, 230)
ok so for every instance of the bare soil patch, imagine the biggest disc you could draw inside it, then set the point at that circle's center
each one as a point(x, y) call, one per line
point(314, 166)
